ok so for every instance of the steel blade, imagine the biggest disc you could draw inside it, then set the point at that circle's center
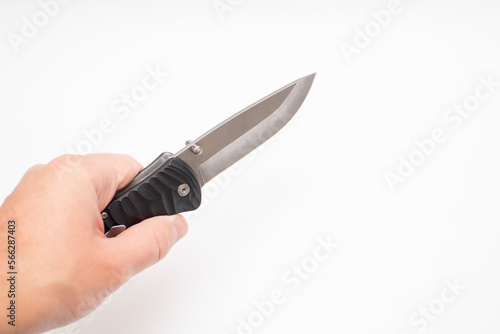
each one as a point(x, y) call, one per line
point(237, 136)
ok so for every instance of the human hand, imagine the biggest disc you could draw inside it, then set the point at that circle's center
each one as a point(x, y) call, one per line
point(65, 265)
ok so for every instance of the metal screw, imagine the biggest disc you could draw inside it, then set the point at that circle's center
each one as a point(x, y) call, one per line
point(104, 215)
point(183, 190)
point(196, 149)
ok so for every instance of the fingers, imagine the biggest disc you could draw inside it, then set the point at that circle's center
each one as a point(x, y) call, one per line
point(107, 172)
point(146, 243)
point(117, 169)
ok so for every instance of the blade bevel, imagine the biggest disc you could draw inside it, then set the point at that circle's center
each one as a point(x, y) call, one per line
point(241, 133)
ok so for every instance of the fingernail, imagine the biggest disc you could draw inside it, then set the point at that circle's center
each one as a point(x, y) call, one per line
point(181, 227)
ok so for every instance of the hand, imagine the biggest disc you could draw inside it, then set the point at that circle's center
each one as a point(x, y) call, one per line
point(65, 265)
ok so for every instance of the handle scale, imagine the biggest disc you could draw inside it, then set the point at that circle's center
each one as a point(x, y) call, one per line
point(166, 187)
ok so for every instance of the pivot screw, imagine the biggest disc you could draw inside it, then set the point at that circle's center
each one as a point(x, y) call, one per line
point(196, 149)
point(104, 215)
point(183, 190)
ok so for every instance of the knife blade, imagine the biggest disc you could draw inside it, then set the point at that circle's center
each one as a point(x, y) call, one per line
point(172, 183)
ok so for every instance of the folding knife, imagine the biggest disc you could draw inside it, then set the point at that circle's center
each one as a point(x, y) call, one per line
point(172, 183)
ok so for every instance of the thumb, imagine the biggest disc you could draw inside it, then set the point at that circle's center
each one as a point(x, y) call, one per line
point(146, 243)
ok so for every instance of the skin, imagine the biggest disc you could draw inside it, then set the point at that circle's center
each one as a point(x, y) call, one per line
point(63, 274)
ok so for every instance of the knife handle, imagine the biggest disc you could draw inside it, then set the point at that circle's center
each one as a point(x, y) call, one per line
point(166, 187)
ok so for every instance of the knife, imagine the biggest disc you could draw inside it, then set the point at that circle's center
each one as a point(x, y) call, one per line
point(172, 183)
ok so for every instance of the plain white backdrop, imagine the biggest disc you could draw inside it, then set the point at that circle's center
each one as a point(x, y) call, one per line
point(421, 256)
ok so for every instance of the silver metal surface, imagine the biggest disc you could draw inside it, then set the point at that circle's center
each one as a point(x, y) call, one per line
point(243, 132)
point(115, 230)
point(183, 190)
point(104, 215)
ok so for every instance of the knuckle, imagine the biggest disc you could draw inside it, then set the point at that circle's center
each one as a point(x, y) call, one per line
point(64, 165)
point(71, 160)
point(34, 169)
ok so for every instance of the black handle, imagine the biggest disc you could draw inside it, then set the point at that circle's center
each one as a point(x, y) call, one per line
point(166, 187)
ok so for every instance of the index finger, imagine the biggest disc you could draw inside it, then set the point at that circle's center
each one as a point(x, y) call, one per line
point(106, 172)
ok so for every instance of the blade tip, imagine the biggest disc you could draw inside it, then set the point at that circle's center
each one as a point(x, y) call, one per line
point(309, 78)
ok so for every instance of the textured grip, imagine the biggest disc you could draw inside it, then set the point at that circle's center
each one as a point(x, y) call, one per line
point(160, 189)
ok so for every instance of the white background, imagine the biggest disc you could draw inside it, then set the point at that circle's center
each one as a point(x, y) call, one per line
point(322, 176)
